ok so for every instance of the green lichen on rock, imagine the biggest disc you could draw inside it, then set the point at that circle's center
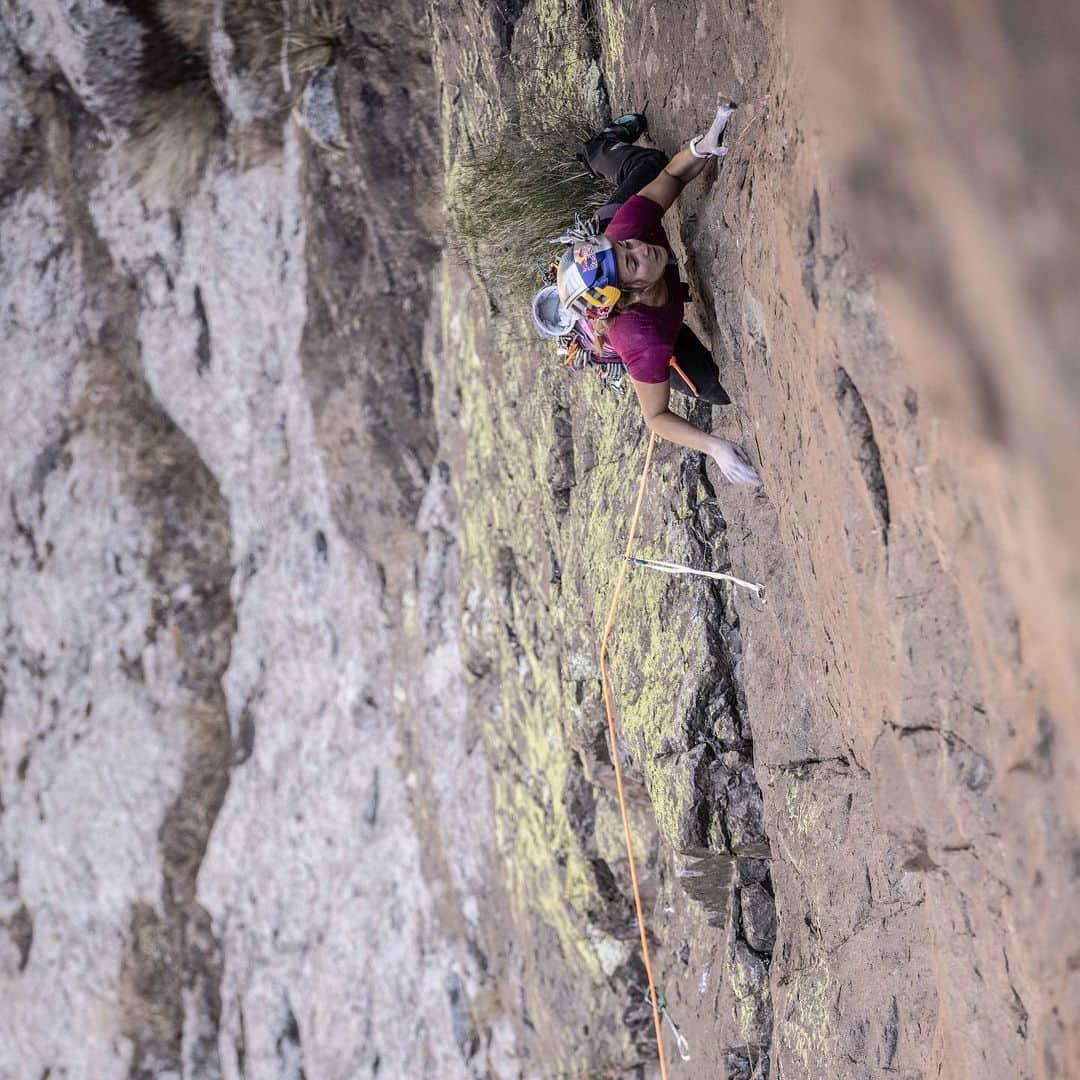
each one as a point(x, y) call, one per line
point(511, 545)
point(546, 470)
point(750, 986)
point(538, 577)
point(610, 835)
point(801, 809)
point(674, 783)
point(807, 1019)
point(556, 28)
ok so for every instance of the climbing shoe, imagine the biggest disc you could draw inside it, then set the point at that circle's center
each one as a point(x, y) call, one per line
point(629, 127)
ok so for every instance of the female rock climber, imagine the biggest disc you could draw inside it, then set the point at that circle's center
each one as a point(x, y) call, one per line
point(627, 281)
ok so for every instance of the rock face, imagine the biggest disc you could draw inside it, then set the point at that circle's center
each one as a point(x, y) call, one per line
point(212, 822)
point(304, 767)
point(105, 76)
point(901, 685)
point(758, 917)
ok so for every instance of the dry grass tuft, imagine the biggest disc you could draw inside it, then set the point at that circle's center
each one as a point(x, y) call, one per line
point(314, 34)
point(167, 155)
point(307, 39)
point(510, 198)
point(188, 20)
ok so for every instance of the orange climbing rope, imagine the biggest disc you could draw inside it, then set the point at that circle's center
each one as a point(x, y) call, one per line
point(615, 753)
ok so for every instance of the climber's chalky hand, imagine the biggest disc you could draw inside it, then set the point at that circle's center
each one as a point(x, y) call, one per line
point(710, 142)
point(734, 463)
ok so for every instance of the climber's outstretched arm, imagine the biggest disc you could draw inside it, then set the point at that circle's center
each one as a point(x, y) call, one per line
point(687, 164)
point(654, 399)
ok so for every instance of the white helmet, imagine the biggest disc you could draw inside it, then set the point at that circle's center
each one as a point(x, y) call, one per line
point(552, 320)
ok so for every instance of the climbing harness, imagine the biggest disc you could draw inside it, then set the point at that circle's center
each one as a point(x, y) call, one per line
point(677, 568)
point(680, 1038)
point(611, 374)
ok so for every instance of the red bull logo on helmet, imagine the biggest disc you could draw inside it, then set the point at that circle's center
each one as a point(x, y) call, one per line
point(585, 257)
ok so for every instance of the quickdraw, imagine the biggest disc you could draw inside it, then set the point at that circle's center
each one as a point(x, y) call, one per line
point(677, 568)
point(611, 373)
point(662, 1009)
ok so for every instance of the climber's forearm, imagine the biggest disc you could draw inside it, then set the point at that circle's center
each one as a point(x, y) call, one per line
point(684, 166)
point(667, 187)
point(674, 428)
point(654, 399)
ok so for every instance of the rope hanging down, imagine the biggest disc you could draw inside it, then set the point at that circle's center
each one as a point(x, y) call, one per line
point(653, 998)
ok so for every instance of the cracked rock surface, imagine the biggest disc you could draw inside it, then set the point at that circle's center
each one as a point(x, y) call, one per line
point(304, 768)
point(900, 704)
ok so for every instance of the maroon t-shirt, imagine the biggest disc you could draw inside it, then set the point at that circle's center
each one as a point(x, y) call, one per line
point(643, 336)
